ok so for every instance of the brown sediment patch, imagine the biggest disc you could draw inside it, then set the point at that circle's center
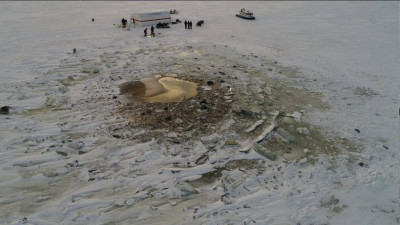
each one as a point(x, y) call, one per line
point(134, 88)
point(162, 90)
point(178, 105)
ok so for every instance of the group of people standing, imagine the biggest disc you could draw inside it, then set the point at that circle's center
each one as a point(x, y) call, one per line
point(152, 31)
point(188, 24)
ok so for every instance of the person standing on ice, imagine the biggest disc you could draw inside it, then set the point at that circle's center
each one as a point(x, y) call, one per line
point(152, 31)
point(186, 23)
point(145, 32)
point(123, 22)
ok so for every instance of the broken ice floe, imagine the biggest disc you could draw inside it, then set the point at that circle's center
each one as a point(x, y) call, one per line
point(223, 145)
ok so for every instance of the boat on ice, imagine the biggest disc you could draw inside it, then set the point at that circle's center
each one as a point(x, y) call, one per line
point(246, 14)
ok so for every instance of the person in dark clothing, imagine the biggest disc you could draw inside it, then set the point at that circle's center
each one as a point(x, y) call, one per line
point(186, 23)
point(152, 31)
point(145, 32)
point(123, 22)
point(190, 25)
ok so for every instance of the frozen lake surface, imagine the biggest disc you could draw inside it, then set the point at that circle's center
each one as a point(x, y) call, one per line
point(300, 124)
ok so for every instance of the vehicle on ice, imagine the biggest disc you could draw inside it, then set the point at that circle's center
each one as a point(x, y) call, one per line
point(151, 17)
point(246, 14)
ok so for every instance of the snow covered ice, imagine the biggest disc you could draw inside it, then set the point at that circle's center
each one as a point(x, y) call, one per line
point(295, 119)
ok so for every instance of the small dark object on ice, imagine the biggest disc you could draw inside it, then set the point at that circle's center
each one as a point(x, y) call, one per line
point(24, 220)
point(247, 113)
point(385, 147)
point(199, 23)
point(74, 50)
point(92, 19)
point(176, 21)
point(361, 164)
point(357, 130)
point(162, 25)
point(117, 136)
point(210, 82)
point(5, 110)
